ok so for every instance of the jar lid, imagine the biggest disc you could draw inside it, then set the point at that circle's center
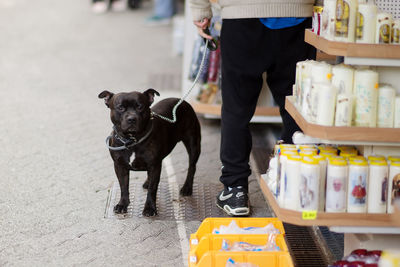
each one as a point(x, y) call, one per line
point(358, 157)
point(346, 148)
point(394, 158)
point(319, 158)
point(287, 145)
point(358, 162)
point(335, 157)
point(308, 153)
point(294, 157)
point(348, 154)
point(288, 152)
point(378, 162)
point(395, 163)
point(338, 162)
point(310, 160)
point(376, 157)
point(289, 149)
point(306, 146)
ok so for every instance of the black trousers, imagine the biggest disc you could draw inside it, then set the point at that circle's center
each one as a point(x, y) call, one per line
point(248, 48)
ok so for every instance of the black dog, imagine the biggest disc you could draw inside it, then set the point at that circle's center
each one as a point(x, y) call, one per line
point(150, 139)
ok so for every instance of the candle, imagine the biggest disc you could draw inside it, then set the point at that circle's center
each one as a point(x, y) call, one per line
point(326, 103)
point(383, 28)
point(336, 183)
point(386, 101)
point(328, 19)
point(292, 182)
point(321, 72)
point(344, 110)
point(309, 184)
point(357, 193)
point(394, 185)
point(395, 36)
point(342, 78)
point(366, 23)
point(377, 187)
point(345, 21)
point(397, 113)
point(366, 97)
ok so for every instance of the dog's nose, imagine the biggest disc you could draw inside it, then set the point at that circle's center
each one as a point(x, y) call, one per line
point(131, 119)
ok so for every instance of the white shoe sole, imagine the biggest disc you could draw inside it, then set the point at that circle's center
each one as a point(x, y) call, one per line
point(235, 212)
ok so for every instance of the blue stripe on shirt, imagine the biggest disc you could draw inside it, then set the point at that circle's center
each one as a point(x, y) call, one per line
point(280, 23)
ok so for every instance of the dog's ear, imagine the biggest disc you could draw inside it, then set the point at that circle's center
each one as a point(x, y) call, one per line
point(107, 96)
point(150, 94)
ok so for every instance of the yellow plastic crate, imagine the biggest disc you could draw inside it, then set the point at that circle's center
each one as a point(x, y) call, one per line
point(214, 243)
point(209, 224)
point(261, 259)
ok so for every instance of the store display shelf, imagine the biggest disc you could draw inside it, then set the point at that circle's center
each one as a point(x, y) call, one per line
point(330, 219)
point(381, 51)
point(354, 135)
point(214, 109)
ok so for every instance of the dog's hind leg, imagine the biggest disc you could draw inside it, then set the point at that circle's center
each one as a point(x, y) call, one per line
point(193, 147)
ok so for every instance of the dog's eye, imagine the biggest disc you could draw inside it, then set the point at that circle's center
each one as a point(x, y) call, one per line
point(120, 108)
point(140, 107)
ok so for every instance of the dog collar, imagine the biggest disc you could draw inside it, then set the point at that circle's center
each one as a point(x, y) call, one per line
point(127, 142)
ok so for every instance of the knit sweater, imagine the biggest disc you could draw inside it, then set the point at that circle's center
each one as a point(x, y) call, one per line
point(234, 9)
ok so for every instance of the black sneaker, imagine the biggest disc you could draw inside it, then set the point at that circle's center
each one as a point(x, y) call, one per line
point(234, 201)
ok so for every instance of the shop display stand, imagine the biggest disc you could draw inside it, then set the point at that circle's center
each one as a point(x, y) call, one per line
point(265, 112)
point(370, 231)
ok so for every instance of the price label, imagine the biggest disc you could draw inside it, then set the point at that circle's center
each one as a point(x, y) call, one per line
point(309, 215)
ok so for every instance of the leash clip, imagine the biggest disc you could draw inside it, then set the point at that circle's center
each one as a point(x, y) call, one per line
point(212, 45)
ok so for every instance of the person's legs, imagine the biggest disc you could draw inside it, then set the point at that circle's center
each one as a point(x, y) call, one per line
point(288, 48)
point(241, 85)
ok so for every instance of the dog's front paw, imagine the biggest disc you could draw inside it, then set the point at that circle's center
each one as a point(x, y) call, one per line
point(119, 209)
point(186, 191)
point(149, 211)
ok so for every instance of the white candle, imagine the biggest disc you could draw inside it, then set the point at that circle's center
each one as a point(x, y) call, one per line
point(309, 184)
point(306, 102)
point(342, 78)
point(283, 175)
point(397, 113)
point(366, 97)
point(366, 23)
point(383, 28)
point(322, 181)
point(395, 36)
point(292, 182)
point(377, 187)
point(336, 183)
point(344, 110)
point(328, 19)
point(304, 73)
point(357, 187)
point(386, 101)
point(345, 25)
point(326, 103)
point(394, 185)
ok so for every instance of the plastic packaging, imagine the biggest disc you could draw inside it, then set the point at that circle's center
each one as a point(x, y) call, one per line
point(309, 184)
point(233, 228)
point(394, 185)
point(245, 246)
point(232, 263)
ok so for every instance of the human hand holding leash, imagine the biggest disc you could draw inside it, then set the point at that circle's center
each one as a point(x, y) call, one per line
point(202, 28)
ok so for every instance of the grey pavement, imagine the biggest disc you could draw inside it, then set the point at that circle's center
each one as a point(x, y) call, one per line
point(55, 172)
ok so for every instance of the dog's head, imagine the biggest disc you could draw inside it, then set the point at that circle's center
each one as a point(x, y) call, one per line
point(130, 112)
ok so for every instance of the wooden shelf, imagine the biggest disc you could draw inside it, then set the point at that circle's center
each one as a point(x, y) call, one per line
point(383, 51)
point(355, 134)
point(328, 219)
point(213, 109)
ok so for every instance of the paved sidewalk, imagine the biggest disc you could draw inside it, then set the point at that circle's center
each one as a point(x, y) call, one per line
point(55, 172)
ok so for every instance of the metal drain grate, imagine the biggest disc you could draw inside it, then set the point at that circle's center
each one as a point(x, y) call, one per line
point(170, 205)
point(335, 242)
point(303, 247)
